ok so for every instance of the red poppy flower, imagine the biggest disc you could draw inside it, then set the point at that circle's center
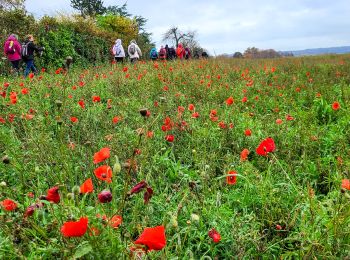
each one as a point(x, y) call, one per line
point(213, 234)
point(53, 195)
point(104, 173)
point(74, 119)
point(87, 186)
point(229, 101)
point(244, 154)
point(279, 121)
point(152, 238)
point(75, 228)
point(232, 178)
point(81, 103)
point(115, 221)
point(248, 132)
point(345, 184)
point(266, 146)
point(195, 115)
point(190, 107)
point(170, 138)
point(31, 75)
point(289, 118)
point(101, 155)
point(96, 99)
point(244, 99)
point(8, 205)
point(24, 91)
point(335, 106)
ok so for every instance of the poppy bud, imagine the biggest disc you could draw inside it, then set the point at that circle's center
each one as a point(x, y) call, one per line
point(76, 189)
point(117, 167)
point(105, 196)
point(6, 159)
point(278, 227)
point(29, 211)
point(70, 196)
point(3, 184)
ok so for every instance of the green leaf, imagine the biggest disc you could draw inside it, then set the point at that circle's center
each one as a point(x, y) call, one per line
point(82, 249)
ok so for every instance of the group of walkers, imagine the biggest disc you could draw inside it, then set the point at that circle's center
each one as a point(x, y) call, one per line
point(134, 52)
point(15, 52)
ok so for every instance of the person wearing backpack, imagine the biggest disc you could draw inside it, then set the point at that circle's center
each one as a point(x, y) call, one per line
point(187, 53)
point(28, 49)
point(153, 54)
point(12, 50)
point(134, 51)
point(180, 51)
point(118, 51)
point(162, 53)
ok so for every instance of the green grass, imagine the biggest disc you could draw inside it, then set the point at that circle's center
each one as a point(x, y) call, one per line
point(297, 187)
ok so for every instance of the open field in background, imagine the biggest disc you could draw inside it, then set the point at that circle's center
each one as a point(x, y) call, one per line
point(181, 127)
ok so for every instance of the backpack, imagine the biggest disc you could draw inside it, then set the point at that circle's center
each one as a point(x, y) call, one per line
point(116, 50)
point(154, 54)
point(10, 48)
point(24, 50)
point(132, 49)
point(162, 53)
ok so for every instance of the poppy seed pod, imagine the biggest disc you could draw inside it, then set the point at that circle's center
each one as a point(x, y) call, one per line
point(105, 196)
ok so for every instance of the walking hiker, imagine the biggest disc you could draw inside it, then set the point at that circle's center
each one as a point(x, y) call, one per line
point(27, 52)
point(162, 53)
point(180, 51)
point(153, 54)
point(12, 50)
point(134, 51)
point(118, 51)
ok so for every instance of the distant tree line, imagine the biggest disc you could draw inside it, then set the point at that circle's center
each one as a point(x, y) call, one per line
point(255, 53)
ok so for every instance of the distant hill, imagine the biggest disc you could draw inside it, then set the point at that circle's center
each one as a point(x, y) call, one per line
point(319, 51)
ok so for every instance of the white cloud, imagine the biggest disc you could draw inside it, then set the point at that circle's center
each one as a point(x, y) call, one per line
point(229, 26)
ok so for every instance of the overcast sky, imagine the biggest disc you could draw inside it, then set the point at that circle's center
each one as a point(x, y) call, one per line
point(226, 26)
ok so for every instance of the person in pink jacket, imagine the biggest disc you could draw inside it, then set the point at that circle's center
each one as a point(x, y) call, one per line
point(12, 50)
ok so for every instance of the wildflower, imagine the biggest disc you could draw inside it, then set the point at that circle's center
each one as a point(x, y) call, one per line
point(24, 91)
point(229, 101)
point(152, 238)
point(104, 173)
point(87, 186)
point(148, 194)
point(31, 75)
point(170, 138)
point(289, 118)
point(138, 187)
point(345, 184)
point(101, 155)
point(335, 106)
point(81, 103)
point(96, 99)
point(213, 234)
point(244, 99)
point(8, 205)
point(75, 228)
point(190, 107)
point(115, 221)
point(279, 121)
point(232, 178)
point(105, 196)
point(53, 195)
point(74, 119)
point(195, 115)
point(248, 132)
point(244, 155)
point(115, 120)
point(266, 146)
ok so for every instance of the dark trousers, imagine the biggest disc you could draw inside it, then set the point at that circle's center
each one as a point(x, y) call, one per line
point(29, 67)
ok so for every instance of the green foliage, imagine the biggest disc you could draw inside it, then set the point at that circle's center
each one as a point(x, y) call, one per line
point(88, 7)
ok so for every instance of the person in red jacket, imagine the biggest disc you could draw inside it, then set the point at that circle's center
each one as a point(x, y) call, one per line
point(12, 50)
point(180, 51)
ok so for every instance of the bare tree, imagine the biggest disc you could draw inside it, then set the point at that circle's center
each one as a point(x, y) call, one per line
point(175, 35)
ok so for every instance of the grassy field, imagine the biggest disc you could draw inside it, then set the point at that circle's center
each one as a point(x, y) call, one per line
point(222, 158)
